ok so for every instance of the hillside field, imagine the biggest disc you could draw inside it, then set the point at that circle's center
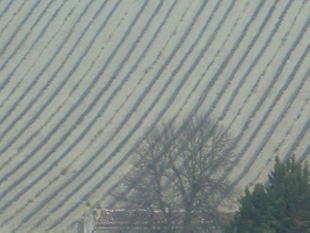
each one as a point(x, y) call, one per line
point(83, 81)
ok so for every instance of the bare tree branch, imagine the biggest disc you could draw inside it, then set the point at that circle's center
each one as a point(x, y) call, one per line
point(181, 170)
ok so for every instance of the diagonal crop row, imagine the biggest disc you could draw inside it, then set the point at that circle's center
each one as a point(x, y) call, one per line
point(299, 138)
point(138, 102)
point(255, 60)
point(141, 57)
point(7, 7)
point(295, 121)
point(291, 127)
point(110, 59)
point(11, 19)
point(277, 75)
point(197, 60)
point(17, 30)
point(18, 64)
point(299, 37)
point(245, 54)
point(35, 80)
point(13, 90)
point(157, 119)
point(159, 54)
point(85, 197)
point(279, 118)
point(33, 152)
point(82, 178)
point(58, 160)
point(260, 77)
point(133, 68)
point(46, 85)
point(214, 78)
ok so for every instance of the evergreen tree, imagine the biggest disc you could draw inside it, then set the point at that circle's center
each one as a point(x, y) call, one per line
point(283, 205)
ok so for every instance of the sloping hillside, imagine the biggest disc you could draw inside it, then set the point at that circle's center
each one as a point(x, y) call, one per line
point(81, 82)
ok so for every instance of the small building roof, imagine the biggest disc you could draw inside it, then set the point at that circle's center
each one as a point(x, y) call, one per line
point(109, 217)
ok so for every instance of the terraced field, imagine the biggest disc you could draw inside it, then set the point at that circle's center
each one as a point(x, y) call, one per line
point(82, 82)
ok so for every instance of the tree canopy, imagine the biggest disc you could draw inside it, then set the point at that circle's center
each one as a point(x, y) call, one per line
point(180, 168)
point(283, 205)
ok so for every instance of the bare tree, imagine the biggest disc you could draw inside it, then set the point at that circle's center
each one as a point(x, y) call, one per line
point(177, 169)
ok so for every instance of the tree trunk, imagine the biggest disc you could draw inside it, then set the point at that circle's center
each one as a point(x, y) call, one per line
point(187, 223)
